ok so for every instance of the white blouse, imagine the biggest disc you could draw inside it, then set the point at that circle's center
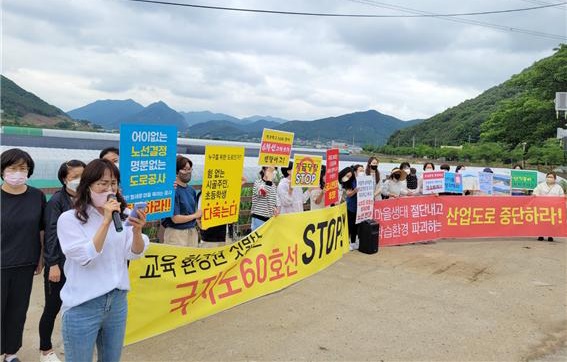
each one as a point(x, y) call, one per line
point(89, 273)
point(543, 189)
point(291, 203)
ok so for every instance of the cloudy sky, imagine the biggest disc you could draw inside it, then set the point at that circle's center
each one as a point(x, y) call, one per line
point(73, 52)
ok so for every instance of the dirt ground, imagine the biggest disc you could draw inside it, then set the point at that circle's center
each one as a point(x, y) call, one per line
point(453, 300)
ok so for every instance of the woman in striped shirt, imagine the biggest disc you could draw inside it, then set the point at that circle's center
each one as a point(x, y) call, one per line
point(265, 202)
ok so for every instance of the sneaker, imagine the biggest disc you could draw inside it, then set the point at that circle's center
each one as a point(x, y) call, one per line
point(540, 238)
point(50, 357)
point(550, 239)
point(15, 359)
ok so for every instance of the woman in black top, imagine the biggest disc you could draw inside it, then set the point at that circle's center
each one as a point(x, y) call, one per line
point(21, 238)
point(70, 176)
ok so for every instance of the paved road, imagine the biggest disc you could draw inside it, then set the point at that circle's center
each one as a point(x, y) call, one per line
point(454, 300)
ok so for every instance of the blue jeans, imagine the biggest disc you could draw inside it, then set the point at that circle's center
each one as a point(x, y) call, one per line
point(255, 223)
point(101, 320)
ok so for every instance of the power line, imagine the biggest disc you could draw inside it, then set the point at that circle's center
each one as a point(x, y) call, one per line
point(263, 11)
point(537, 2)
point(499, 27)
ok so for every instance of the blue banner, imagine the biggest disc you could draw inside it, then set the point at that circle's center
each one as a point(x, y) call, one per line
point(453, 182)
point(147, 167)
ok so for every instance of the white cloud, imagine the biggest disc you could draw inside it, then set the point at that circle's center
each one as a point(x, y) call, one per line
point(71, 53)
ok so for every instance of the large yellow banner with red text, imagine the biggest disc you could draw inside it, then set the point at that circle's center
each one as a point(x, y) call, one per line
point(414, 219)
point(172, 286)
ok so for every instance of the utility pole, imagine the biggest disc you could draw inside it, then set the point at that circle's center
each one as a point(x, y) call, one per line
point(413, 142)
point(469, 138)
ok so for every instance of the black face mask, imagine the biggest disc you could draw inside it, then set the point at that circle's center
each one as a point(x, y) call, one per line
point(184, 177)
point(397, 176)
point(374, 168)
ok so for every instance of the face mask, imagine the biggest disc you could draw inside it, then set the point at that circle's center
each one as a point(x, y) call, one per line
point(345, 179)
point(16, 178)
point(373, 167)
point(184, 177)
point(550, 180)
point(117, 164)
point(428, 169)
point(99, 198)
point(397, 176)
point(73, 184)
point(407, 170)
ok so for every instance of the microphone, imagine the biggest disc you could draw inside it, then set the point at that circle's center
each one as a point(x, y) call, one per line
point(115, 215)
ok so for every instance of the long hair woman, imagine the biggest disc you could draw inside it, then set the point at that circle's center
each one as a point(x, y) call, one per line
point(94, 295)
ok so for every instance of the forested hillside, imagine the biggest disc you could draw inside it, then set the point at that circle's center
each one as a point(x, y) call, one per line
point(516, 111)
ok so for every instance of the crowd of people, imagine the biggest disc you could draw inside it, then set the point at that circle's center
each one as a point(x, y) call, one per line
point(86, 256)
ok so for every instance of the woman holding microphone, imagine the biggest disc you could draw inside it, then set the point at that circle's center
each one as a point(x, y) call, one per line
point(94, 295)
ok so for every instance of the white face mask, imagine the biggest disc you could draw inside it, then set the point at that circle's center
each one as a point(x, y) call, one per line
point(17, 178)
point(550, 180)
point(117, 164)
point(428, 169)
point(345, 179)
point(407, 170)
point(73, 184)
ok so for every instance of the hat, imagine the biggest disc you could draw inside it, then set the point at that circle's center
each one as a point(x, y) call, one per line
point(396, 170)
point(487, 169)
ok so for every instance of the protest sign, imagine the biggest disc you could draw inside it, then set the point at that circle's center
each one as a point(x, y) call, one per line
point(433, 182)
point(147, 167)
point(364, 198)
point(173, 286)
point(501, 184)
point(453, 182)
point(332, 177)
point(222, 178)
point(306, 171)
point(275, 148)
point(486, 183)
point(415, 219)
point(523, 179)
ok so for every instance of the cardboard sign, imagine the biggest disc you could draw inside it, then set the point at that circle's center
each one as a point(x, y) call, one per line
point(332, 177)
point(364, 198)
point(220, 195)
point(433, 182)
point(275, 148)
point(306, 171)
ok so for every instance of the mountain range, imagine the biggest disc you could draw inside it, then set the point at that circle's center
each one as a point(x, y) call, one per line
point(369, 127)
point(518, 111)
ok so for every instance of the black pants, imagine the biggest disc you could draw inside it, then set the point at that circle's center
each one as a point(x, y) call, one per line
point(352, 227)
point(16, 291)
point(50, 310)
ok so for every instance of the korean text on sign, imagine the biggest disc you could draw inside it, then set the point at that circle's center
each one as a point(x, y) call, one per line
point(147, 167)
point(220, 194)
point(332, 177)
point(275, 148)
point(306, 171)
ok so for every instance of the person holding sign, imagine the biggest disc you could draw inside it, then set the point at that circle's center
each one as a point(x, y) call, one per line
point(291, 198)
point(395, 185)
point(180, 229)
point(317, 195)
point(265, 203)
point(549, 188)
point(97, 248)
point(347, 179)
point(372, 170)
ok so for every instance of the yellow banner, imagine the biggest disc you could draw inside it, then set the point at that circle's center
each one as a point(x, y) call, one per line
point(173, 286)
point(306, 171)
point(220, 195)
point(275, 148)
